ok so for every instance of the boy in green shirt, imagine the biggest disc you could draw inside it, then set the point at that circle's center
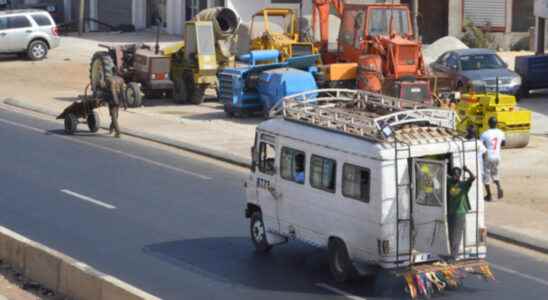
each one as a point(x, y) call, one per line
point(458, 206)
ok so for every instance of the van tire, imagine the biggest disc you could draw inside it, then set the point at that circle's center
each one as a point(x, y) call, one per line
point(258, 233)
point(37, 50)
point(340, 264)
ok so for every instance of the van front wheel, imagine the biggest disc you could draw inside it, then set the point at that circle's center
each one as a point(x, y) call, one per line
point(258, 233)
point(340, 264)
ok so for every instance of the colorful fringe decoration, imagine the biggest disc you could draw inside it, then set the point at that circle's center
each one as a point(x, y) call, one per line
point(426, 280)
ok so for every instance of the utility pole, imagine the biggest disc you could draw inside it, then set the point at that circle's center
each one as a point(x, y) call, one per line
point(81, 17)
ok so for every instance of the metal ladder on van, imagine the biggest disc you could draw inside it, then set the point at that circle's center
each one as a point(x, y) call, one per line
point(476, 212)
point(409, 186)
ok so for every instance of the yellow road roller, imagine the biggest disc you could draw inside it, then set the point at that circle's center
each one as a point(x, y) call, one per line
point(477, 108)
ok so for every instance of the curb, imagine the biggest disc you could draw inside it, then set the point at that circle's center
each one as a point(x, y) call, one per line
point(62, 274)
point(495, 231)
point(212, 153)
point(517, 238)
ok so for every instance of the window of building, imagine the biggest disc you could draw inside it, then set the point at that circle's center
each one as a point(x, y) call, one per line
point(267, 158)
point(16, 22)
point(356, 182)
point(293, 165)
point(41, 20)
point(523, 15)
point(486, 13)
point(323, 173)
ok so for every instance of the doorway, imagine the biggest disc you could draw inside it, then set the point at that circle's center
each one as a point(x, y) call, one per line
point(432, 19)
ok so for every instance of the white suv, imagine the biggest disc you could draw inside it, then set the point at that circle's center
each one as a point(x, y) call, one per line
point(31, 32)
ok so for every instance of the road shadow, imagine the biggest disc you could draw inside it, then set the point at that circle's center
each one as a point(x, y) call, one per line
point(221, 115)
point(232, 260)
point(67, 99)
point(11, 58)
point(80, 133)
point(536, 102)
point(293, 267)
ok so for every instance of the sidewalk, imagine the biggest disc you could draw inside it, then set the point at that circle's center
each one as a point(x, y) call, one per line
point(207, 132)
point(519, 225)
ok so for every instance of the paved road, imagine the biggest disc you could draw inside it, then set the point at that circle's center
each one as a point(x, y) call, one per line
point(174, 226)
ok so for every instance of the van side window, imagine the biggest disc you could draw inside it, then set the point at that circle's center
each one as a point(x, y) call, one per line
point(18, 22)
point(292, 165)
point(41, 20)
point(267, 157)
point(356, 182)
point(3, 23)
point(323, 173)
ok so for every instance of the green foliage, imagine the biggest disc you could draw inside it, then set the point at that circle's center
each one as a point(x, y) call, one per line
point(476, 37)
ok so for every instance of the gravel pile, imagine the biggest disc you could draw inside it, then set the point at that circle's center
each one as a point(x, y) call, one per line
point(436, 49)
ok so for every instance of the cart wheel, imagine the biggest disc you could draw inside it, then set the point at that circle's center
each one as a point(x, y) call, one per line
point(71, 123)
point(198, 95)
point(93, 122)
point(181, 91)
point(133, 95)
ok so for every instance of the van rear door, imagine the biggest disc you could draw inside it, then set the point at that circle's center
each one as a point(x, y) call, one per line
point(429, 209)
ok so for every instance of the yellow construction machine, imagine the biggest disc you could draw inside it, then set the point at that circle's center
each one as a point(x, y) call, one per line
point(477, 108)
point(209, 45)
point(276, 29)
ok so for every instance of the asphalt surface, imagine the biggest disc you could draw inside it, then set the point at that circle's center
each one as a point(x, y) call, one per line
point(173, 224)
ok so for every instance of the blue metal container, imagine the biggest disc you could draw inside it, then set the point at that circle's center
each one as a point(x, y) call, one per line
point(533, 71)
point(256, 56)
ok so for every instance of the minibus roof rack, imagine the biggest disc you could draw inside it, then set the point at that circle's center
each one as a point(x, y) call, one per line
point(368, 115)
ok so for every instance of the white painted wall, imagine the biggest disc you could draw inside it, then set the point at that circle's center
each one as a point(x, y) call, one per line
point(175, 16)
point(541, 8)
point(139, 14)
point(67, 5)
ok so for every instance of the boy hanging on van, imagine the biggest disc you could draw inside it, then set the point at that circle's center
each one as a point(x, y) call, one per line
point(458, 205)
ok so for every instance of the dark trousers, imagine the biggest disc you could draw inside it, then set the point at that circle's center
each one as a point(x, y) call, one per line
point(457, 224)
point(113, 111)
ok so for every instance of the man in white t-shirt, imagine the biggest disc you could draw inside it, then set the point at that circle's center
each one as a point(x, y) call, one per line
point(472, 134)
point(493, 139)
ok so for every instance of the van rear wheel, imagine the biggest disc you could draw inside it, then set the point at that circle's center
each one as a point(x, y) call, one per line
point(340, 264)
point(258, 233)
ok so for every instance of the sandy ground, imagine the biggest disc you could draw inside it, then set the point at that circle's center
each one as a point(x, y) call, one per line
point(64, 75)
point(11, 287)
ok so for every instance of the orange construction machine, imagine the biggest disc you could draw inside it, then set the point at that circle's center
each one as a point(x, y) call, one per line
point(380, 39)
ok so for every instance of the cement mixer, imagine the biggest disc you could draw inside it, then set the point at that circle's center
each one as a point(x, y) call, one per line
point(195, 64)
point(225, 28)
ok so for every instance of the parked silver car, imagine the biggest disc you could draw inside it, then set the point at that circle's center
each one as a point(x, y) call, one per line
point(31, 32)
point(473, 66)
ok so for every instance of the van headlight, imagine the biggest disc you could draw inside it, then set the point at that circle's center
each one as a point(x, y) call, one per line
point(516, 81)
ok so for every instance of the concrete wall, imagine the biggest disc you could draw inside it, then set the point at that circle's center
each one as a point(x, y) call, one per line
point(64, 275)
point(114, 13)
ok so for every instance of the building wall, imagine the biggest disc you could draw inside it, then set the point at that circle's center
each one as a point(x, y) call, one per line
point(115, 13)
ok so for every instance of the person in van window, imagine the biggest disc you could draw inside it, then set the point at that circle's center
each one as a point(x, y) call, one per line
point(299, 168)
point(458, 205)
point(493, 139)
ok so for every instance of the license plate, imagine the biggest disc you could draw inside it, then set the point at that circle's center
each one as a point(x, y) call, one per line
point(422, 257)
